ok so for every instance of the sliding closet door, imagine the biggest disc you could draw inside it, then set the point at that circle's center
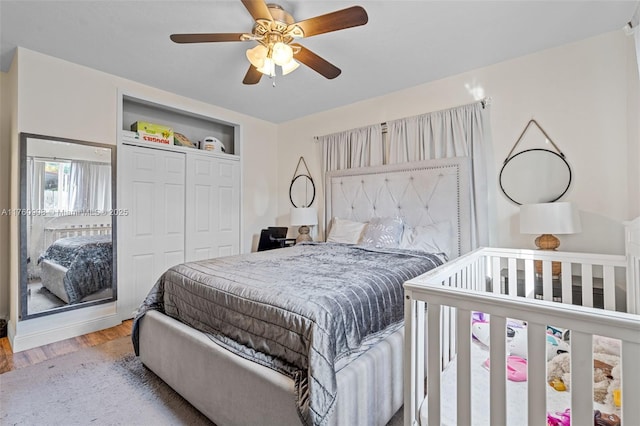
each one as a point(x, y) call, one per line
point(151, 238)
point(213, 207)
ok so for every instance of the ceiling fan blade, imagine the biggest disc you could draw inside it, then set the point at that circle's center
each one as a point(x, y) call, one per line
point(253, 76)
point(206, 38)
point(346, 18)
point(315, 62)
point(258, 9)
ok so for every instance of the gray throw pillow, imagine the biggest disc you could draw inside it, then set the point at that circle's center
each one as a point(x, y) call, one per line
point(383, 232)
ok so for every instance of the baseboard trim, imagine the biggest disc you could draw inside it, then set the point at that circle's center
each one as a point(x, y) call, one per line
point(21, 341)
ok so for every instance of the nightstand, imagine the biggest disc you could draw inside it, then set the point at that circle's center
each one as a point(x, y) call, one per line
point(576, 288)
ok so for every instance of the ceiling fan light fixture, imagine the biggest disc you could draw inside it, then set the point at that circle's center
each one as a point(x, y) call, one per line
point(290, 66)
point(282, 53)
point(268, 68)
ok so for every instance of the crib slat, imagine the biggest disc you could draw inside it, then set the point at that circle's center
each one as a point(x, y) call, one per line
point(587, 285)
point(495, 271)
point(414, 345)
point(464, 367)
point(630, 387)
point(445, 336)
point(528, 278)
point(513, 277)
point(433, 365)
point(581, 378)
point(537, 363)
point(547, 281)
point(609, 290)
point(567, 283)
point(498, 373)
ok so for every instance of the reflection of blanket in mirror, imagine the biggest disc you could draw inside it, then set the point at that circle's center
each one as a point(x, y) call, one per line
point(88, 260)
point(302, 311)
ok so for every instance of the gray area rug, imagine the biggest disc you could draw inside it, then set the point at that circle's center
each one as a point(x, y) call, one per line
point(102, 385)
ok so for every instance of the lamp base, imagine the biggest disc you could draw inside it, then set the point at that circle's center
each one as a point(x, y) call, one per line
point(303, 234)
point(548, 242)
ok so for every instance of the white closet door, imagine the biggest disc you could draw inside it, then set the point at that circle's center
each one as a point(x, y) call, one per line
point(151, 238)
point(213, 207)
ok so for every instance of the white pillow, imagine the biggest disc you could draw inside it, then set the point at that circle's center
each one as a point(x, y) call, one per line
point(383, 232)
point(434, 238)
point(345, 231)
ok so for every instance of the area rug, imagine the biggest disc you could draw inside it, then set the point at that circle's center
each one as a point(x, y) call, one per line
point(101, 385)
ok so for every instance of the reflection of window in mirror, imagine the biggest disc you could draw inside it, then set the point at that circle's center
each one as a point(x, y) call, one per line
point(67, 239)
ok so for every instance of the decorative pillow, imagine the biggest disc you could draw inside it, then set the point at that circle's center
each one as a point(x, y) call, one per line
point(345, 231)
point(383, 232)
point(435, 238)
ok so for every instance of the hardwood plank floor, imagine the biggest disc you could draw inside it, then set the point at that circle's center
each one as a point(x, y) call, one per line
point(12, 361)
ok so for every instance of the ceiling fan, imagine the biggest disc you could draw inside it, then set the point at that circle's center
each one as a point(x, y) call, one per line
point(275, 30)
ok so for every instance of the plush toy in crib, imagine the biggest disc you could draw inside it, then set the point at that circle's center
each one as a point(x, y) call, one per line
point(599, 419)
point(606, 371)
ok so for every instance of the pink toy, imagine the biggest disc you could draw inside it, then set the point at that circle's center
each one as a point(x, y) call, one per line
point(516, 368)
point(559, 419)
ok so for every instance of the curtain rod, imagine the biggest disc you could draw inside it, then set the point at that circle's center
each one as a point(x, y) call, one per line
point(70, 160)
point(485, 102)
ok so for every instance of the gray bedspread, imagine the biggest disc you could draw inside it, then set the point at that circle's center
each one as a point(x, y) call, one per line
point(89, 263)
point(303, 311)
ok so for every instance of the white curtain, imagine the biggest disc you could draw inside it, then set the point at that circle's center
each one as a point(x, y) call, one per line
point(353, 148)
point(35, 184)
point(89, 186)
point(456, 132)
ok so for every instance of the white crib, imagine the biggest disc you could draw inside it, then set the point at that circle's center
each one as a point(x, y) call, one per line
point(504, 284)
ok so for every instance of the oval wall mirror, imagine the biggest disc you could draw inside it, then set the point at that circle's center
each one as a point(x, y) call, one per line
point(302, 191)
point(535, 176)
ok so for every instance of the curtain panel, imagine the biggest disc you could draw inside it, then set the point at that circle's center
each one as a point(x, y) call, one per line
point(352, 148)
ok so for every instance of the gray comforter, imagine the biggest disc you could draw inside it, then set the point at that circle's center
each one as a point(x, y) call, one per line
point(89, 263)
point(304, 311)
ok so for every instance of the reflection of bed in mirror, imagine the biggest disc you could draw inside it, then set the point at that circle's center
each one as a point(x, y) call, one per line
point(78, 265)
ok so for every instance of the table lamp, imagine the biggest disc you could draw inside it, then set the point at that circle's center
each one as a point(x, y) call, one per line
point(303, 217)
point(548, 219)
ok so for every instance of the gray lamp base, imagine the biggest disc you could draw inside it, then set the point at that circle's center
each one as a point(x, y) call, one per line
point(303, 234)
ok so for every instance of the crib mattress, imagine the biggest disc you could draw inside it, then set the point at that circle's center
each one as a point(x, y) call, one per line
point(516, 395)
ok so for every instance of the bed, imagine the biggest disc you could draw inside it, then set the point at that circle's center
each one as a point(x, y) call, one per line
point(323, 365)
point(79, 264)
point(558, 384)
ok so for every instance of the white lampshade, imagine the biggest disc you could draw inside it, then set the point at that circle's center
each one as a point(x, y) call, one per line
point(257, 55)
point(268, 68)
point(301, 216)
point(290, 66)
point(549, 218)
point(282, 53)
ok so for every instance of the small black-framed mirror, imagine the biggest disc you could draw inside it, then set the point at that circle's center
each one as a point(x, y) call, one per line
point(535, 176)
point(302, 191)
point(67, 224)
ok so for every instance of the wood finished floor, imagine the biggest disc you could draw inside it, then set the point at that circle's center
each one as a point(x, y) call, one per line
point(13, 361)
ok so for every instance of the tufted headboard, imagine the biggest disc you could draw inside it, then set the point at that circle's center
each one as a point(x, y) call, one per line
point(421, 193)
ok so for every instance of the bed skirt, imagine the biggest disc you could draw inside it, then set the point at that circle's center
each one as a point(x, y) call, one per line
point(231, 390)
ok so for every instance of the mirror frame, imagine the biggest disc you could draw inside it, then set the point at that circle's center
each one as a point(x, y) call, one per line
point(313, 186)
point(530, 150)
point(23, 311)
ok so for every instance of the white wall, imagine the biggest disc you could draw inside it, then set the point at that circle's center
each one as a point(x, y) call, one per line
point(59, 98)
point(577, 93)
point(5, 163)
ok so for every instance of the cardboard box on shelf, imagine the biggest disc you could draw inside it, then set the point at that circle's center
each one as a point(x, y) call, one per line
point(151, 132)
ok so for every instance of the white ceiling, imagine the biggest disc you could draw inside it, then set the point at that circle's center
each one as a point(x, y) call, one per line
point(405, 43)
